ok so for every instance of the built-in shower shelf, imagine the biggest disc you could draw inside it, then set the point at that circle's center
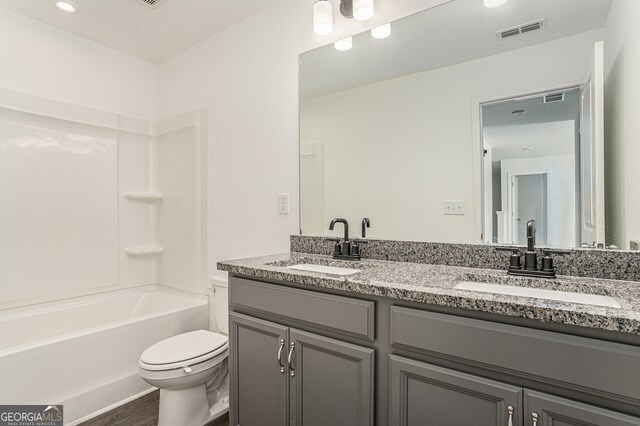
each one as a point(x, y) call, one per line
point(143, 196)
point(143, 250)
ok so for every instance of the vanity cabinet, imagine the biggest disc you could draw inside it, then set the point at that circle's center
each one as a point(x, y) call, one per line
point(547, 410)
point(314, 357)
point(441, 396)
point(424, 394)
point(284, 376)
point(259, 387)
point(332, 382)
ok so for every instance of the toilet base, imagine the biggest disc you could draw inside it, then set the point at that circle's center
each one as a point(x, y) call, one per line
point(185, 407)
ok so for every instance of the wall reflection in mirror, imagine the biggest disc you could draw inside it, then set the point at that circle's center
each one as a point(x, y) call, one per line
point(466, 122)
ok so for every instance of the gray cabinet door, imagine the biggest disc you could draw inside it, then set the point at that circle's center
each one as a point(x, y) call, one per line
point(258, 386)
point(548, 410)
point(426, 395)
point(332, 382)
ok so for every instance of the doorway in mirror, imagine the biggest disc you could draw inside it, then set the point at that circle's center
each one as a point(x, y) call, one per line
point(532, 168)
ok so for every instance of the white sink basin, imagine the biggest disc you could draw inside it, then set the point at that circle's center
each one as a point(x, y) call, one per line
point(324, 269)
point(561, 296)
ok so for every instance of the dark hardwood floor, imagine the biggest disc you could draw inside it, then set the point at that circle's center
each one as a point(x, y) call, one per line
point(140, 412)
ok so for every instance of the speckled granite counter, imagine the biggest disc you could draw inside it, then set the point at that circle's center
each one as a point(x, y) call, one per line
point(434, 284)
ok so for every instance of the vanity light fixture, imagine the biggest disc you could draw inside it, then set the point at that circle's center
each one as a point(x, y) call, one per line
point(67, 6)
point(383, 31)
point(344, 44)
point(361, 10)
point(322, 17)
point(494, 3)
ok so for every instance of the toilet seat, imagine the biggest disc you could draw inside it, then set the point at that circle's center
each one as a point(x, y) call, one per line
point(185, 350)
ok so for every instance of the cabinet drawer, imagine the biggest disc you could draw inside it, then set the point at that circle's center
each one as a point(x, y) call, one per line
point(344, 315)
point(579, 363)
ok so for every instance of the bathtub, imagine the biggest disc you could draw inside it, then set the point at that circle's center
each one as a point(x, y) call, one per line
point(83, 352)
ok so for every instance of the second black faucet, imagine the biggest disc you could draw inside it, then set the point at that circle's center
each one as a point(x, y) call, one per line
point(531, 268)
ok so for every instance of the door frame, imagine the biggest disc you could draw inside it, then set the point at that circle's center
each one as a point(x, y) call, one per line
point(316, 151)
point(575, 82)
point(511, 203)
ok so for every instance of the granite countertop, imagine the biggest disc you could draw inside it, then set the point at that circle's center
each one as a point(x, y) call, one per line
point(434, 284)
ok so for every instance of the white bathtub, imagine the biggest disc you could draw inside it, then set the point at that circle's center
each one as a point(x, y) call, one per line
point(83, 352)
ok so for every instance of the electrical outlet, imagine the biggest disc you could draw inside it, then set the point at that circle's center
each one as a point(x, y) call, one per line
point(454, 207)
point(283, 203)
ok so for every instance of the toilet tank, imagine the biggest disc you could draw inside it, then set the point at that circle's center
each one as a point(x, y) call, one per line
point(219, 303)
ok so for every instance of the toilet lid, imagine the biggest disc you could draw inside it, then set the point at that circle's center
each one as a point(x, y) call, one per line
point(184, 347)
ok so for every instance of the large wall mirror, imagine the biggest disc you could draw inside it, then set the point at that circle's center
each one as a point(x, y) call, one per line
point(466, 122)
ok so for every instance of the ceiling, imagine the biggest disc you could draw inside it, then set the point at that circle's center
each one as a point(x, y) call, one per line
point(548, 128)
point(137, 29)
point(536, 110)
point(531, 140)
point(452, 33)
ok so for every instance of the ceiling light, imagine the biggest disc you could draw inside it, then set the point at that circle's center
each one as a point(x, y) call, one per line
point(67, 6)
point(519, 112)
point(344, 44)
point(322, 17)
point(528, 149)
point(383, 31)
point(362, 9)
point(494, 3)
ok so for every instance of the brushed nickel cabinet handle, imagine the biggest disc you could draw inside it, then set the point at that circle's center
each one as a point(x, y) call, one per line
point(292, 371)
point(534, 419)
point(510, 411)
point(280, 355)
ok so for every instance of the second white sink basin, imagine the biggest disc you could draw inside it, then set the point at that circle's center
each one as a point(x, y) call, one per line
point(324, 269)
point(561, 296)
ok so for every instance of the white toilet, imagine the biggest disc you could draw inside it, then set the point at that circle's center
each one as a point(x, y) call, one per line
point(191, 369)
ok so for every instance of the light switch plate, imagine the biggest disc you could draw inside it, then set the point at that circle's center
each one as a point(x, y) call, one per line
point(454, 207)
point(283, 203)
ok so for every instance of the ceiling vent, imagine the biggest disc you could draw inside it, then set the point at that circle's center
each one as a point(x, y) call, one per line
point(151, 3)
point(522, 29)
point(554, 97)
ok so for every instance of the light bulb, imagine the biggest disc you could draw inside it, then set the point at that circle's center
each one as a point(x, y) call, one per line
point(67, 6)
point(362, 9)
point(344, 44)
point(383, 31)
point(494, 3)
point(322, 17)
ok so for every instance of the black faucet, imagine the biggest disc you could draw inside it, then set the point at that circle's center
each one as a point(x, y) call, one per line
point(345, 249)
point(366, 223)
point(344, 222)
point(531, 257)
point(531, 235)
point(531, 268)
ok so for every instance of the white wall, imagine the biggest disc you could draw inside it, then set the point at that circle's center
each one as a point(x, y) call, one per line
point(622, 109)
point(41, 60)
point(561, 219)
point(394, 151)
point(248, 75)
